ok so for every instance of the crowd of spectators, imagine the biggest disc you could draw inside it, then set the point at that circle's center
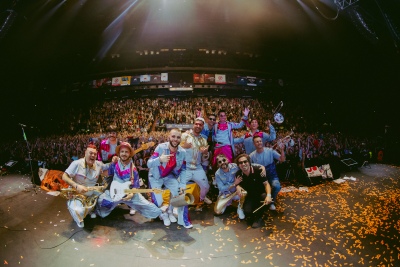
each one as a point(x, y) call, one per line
point(142, 120)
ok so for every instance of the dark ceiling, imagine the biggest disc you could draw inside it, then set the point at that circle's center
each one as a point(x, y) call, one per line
point(323, 50)
point(310, 39)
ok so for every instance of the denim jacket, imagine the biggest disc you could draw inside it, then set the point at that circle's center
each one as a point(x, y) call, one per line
point(156, 167)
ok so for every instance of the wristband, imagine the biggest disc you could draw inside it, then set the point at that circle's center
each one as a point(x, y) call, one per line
point(268, 195)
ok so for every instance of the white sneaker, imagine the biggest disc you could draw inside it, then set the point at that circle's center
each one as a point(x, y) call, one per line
point(165, 218)
point(132, 212)
point(189, 226)
point(240, 213)
point(172, 218)
point(93, 215)
point(175, 212)
point(207, 200)
point(272, 207)
point(164, 208)
point(80, 224)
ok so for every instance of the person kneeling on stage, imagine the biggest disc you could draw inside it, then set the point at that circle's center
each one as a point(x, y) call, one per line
point(257, 188)
point(81, 175)
point(226, 182)
point(125, 176)
point(166, 165)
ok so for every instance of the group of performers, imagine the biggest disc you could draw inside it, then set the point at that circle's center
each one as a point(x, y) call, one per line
point(250, 180)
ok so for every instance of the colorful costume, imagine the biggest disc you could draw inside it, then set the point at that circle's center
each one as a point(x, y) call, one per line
point(223, 138)
point(167, 174)
point(86, 176)
point(125, 174)
point(194, 164)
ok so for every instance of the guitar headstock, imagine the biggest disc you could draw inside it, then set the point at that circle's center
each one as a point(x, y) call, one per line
point(144, 146)
point(147, 145)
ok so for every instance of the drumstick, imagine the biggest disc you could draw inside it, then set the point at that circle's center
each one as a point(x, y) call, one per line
point(260, 207)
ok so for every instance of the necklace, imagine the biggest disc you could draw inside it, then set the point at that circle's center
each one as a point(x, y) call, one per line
point(124, 165)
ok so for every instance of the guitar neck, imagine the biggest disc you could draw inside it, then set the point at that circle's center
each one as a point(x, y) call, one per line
point(138, 190)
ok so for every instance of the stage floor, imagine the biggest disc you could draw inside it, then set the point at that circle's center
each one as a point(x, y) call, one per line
point(355, 223)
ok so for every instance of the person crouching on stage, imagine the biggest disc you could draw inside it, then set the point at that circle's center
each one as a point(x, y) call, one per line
point(126, 175)
point(80, 175)
point(266, 157)
point(166, 165)
point(257, 188)
point(227, 182)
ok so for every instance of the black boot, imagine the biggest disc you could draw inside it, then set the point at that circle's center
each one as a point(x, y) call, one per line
point(258, 223)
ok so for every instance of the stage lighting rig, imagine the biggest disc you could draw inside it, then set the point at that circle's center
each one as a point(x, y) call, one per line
point(342, 4)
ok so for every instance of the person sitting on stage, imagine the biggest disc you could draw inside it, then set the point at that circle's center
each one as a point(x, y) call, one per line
point(265, 156)
point(196, 158)
point(226, 182)
point(247, 139)
point(165, 166)
point(257, 188)
point(126, 176)
point(81, 174)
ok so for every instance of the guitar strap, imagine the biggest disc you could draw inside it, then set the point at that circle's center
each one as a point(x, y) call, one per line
point(132, 175)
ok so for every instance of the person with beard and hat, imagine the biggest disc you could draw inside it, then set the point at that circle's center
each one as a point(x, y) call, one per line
point(81, 175)
point(196, 148)
point(125, 175)
point(226, 182)
point(165, 166)
point(247, 138)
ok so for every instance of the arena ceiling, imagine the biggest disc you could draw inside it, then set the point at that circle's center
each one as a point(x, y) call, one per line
point(49, 40)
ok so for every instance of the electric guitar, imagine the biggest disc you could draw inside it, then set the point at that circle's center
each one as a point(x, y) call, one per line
point(119, 190)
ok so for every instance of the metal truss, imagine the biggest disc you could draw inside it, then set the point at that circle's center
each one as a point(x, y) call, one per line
point(342, 4)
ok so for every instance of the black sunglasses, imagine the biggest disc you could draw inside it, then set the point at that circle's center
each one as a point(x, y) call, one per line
point(221, 161)
point(213, 119)
point(243, 162)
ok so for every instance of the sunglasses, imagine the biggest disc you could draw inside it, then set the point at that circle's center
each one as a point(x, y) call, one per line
point(243, 162)
point(221, 161)
point(212, 119)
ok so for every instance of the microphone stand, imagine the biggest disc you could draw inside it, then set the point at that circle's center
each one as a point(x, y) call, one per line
point(29, 158)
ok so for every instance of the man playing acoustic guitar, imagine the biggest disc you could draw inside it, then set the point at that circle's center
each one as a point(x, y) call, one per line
point(124, 187)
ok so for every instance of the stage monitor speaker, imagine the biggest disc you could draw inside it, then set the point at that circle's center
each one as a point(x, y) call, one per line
point(313, 176)
point(350, 163)
point(11, 163)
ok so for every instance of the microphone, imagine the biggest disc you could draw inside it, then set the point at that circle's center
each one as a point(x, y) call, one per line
point(23, 125)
